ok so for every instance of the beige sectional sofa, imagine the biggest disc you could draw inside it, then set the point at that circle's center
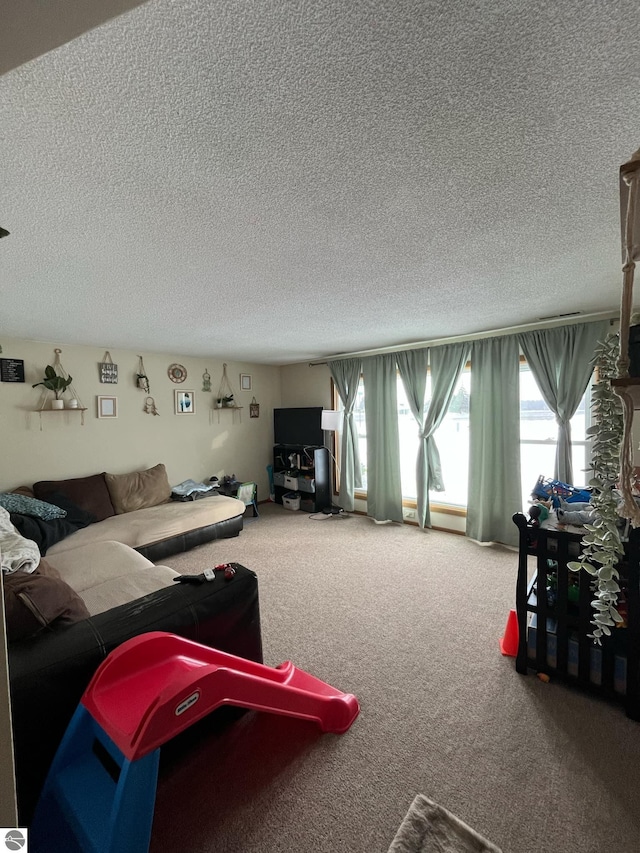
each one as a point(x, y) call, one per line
point(126, 526)
point(104, 564)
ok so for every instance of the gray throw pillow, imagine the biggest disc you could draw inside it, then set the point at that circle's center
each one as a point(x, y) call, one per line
point(30, 506)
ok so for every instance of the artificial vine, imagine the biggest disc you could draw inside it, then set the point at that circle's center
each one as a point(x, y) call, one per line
point(602, 545)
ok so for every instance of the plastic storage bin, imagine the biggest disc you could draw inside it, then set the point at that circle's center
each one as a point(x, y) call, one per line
point(306, 484)
point(291, 500)
point(278, 478)
point(290, 482)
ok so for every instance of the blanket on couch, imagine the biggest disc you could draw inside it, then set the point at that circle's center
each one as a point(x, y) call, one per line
point(16, 552)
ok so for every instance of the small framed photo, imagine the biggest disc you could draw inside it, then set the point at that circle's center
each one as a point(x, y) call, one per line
point(185, 402)
point(107, 407)
point(245, 382)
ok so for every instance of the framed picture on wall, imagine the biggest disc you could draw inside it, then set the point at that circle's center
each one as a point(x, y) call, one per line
point(185, 402)
point(107, 407)
point(245, 382)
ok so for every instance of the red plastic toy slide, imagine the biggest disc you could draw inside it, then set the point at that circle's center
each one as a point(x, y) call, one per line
point(156, 685)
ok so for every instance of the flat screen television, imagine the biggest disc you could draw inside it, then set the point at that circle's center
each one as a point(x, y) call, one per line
point(298, 426)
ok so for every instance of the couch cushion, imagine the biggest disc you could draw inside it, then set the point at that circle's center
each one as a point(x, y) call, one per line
point(139, 490)
point(108, 574)
point(155, 523)
point(89, 493)
point(38, 599)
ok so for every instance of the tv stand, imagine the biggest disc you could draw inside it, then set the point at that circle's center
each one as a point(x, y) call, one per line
point(303, 470)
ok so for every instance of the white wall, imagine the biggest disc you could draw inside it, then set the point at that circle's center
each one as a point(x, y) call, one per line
point(303, 385)
point(55, 445)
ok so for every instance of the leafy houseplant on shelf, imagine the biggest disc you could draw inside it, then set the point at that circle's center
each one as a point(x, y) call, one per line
point(56, 383)
point(226, 402)
point(602, 544)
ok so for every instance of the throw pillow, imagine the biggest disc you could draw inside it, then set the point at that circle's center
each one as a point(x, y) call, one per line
point(43, 533)
point(23, 490)
point(76, 516)
point(140, 489)
point(13, 502)
point(89, 493)
point(38, 600)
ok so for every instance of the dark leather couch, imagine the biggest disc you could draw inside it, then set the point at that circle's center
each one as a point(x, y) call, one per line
point(49, 672)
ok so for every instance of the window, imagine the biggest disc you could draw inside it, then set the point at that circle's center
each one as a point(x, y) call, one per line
point(452, 438)
point(538, 440)
point(539, 434)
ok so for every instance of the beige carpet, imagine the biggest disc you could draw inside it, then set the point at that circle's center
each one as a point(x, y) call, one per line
point(410, 622)
point(430, 828)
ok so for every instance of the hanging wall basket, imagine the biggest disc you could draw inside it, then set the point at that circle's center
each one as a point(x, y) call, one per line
point(142, 380)
point(225, 398)
point(254, 408)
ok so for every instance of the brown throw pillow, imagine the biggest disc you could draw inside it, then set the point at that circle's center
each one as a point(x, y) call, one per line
point(38, 599)
point(139, 489)
point(89, 493)
point(27, 491)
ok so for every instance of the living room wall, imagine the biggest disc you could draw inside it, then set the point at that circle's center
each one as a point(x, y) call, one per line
point(54, 445)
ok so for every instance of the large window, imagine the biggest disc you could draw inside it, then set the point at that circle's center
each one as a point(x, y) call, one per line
point(538, 436)
point(538, 439)
point(452, 438)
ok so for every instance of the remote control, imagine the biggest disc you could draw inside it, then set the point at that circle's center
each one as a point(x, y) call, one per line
point(189, 579)
point(209, 574)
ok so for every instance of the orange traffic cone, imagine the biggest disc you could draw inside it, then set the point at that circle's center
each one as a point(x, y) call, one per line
point(509, 643)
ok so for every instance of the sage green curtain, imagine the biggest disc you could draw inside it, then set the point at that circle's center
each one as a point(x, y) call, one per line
point(447, 363)
point(346, 375)
point(561, 362)
point(384, 490)
point(494, 447)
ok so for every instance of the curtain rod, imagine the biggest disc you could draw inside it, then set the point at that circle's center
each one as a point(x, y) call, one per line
point(492, 333)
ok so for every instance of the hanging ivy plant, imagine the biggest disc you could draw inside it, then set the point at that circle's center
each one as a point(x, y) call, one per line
point(602, 544)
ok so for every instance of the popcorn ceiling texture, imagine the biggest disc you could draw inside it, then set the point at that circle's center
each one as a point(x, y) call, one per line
point(276, 181)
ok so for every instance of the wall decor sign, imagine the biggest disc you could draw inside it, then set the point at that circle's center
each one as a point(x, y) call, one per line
point(11, 370)
point(107, 407)
point(177, 373)
point(254, 408)
point(108, 370)
point(245, 382)
point(185, 402)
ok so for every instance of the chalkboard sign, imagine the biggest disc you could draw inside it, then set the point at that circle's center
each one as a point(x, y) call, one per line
point(11, 370)
point(108, 370)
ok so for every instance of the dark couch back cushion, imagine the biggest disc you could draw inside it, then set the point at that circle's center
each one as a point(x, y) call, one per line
point(89, 493)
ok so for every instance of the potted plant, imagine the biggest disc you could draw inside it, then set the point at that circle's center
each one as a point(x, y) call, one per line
point(227, 402)
point(56, 383)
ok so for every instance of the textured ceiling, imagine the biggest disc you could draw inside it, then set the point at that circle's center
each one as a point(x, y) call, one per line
point(275, 181)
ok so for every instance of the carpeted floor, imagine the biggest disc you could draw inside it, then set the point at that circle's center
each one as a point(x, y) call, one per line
point(409, 621)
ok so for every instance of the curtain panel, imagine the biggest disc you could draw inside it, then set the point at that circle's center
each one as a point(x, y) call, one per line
point(561, 362)
point(346, 375)
point(384, 490)
point(494, 448)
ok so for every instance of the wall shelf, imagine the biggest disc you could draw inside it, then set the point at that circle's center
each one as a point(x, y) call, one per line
point(81, 409)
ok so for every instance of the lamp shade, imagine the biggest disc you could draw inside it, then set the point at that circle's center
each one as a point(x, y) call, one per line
point(331, 420)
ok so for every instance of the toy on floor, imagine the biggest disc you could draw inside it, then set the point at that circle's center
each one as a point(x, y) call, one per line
point(99, 794)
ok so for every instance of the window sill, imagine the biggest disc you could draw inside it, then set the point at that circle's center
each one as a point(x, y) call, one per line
point(444, 509)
